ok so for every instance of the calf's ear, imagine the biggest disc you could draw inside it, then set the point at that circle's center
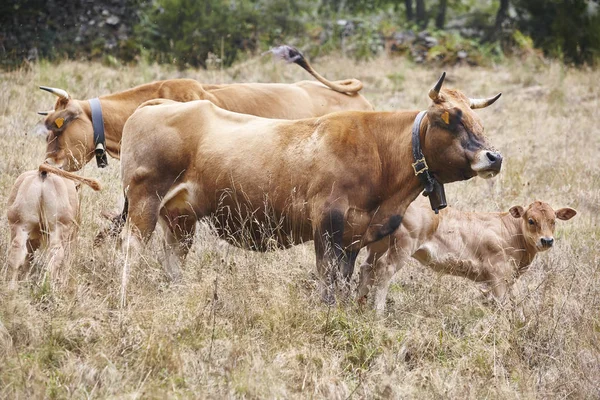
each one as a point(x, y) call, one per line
point(565, 213)
point(516, 211)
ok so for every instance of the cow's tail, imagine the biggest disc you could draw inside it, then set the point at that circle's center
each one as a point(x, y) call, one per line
point(93, 183)
point(292, 55)
point(117, 222)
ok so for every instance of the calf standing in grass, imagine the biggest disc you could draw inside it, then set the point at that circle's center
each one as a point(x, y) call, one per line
point(43, 211)
point(495, 248)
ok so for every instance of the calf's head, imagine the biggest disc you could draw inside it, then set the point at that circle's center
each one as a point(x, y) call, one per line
point(454, 145)
point(537, 223)
point(70, 139)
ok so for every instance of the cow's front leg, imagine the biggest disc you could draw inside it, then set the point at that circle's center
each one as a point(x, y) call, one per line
point(366, 278)
point(329, 250)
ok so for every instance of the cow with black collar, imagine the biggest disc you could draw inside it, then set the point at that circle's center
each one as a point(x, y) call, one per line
point(343, 180)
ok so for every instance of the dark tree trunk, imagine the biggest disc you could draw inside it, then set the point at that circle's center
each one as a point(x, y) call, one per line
point(409, 10)
point(501, 15)
point(421, 17)
point(440, 20)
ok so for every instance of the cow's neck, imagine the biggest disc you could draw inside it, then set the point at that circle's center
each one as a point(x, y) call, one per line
point(515, 243)
point(118, 107)
point(394, 136)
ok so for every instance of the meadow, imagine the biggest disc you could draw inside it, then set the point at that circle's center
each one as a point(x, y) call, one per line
point(248, 325)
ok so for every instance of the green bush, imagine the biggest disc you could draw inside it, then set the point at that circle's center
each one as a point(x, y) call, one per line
point(567, 29)
point(190, 32)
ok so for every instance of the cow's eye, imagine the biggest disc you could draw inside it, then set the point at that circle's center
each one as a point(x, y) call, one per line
point(531, 221)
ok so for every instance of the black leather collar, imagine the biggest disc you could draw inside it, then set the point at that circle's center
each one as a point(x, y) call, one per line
point(432, 188)
point(99, 138)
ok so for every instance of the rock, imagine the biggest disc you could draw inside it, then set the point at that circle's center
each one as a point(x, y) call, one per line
point(113, 20)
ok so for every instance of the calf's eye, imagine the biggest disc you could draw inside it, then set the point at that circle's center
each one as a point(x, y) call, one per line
point(531, 222)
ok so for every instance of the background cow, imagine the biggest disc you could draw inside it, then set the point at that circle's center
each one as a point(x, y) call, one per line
point(494, 248)
point(344, 179)
point(43, 211)
point(70, 129)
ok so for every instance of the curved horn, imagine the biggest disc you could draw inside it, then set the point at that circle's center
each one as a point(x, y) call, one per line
point(482, 103)
point(57, 92)
point(45, 112)
point(434, 92)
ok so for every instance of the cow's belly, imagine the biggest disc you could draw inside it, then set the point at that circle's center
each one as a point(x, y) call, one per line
point(260, 228)
point(441, 259)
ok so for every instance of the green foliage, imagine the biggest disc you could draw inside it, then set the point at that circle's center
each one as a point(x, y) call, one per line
point(187, 32)
point(567, 29)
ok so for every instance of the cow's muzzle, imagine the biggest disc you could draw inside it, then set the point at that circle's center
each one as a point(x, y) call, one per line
point(547, 242)
point(487, 164)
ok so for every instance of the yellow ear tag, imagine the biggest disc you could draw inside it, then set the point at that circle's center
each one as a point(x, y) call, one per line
point(59, 122)
point(446, 117)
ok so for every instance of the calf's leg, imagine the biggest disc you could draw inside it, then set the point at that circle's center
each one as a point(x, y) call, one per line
point(58, 238)
point(17, 253)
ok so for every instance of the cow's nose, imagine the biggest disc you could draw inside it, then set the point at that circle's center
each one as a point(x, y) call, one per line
point(495, 159)
point(547, 242)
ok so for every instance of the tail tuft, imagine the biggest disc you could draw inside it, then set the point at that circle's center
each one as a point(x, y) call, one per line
point(288, 54)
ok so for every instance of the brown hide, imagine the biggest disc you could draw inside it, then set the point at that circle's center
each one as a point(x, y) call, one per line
point(344, 178)
point(70, 138)
point(43, 211)
point(494, 248)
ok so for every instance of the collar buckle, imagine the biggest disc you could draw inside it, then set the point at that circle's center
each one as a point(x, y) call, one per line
point(420, 166)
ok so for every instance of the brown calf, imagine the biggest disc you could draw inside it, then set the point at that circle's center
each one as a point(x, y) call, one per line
point(344, 179)
point(495, 248)
point(43, 211)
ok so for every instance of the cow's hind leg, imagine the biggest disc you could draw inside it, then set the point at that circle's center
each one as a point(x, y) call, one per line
point(179, 220)
point(328, 235)
point(179, 237)
point(143, 215)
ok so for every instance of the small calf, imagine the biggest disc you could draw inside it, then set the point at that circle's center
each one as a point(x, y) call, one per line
point(43, 211)
point(494, 248)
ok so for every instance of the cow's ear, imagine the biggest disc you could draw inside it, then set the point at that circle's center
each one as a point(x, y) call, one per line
point(516, 211)
point(565, 213)
point(59, 120)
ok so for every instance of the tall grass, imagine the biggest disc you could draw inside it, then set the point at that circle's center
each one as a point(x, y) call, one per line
point(250, 325)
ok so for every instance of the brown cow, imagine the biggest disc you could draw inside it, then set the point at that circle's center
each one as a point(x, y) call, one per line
point(495, 248)
point(344, 179)
point(43, 210)
point(71, 141)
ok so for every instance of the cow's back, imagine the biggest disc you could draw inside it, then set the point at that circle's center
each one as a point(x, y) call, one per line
point(304, 99)
point(42, 200)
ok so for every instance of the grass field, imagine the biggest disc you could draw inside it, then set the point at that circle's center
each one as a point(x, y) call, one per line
point(249, 325)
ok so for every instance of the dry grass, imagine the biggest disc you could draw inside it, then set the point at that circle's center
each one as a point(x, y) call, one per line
point(248, 325)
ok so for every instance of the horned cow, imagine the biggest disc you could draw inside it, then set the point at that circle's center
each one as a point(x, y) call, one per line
point(343, 180)
point(43, 212)
point(494, 248)
point(78, 129)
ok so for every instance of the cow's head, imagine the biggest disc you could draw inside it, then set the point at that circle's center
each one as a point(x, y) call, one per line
point(537, 223)
point(455, 146)
point(70, 139)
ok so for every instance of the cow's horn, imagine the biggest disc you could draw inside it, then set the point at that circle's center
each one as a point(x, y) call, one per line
point(435, 91)
point(482, 103)
point(57, 92)
point(45, 112)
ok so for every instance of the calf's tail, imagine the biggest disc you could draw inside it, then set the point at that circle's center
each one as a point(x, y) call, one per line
point(93, 183)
